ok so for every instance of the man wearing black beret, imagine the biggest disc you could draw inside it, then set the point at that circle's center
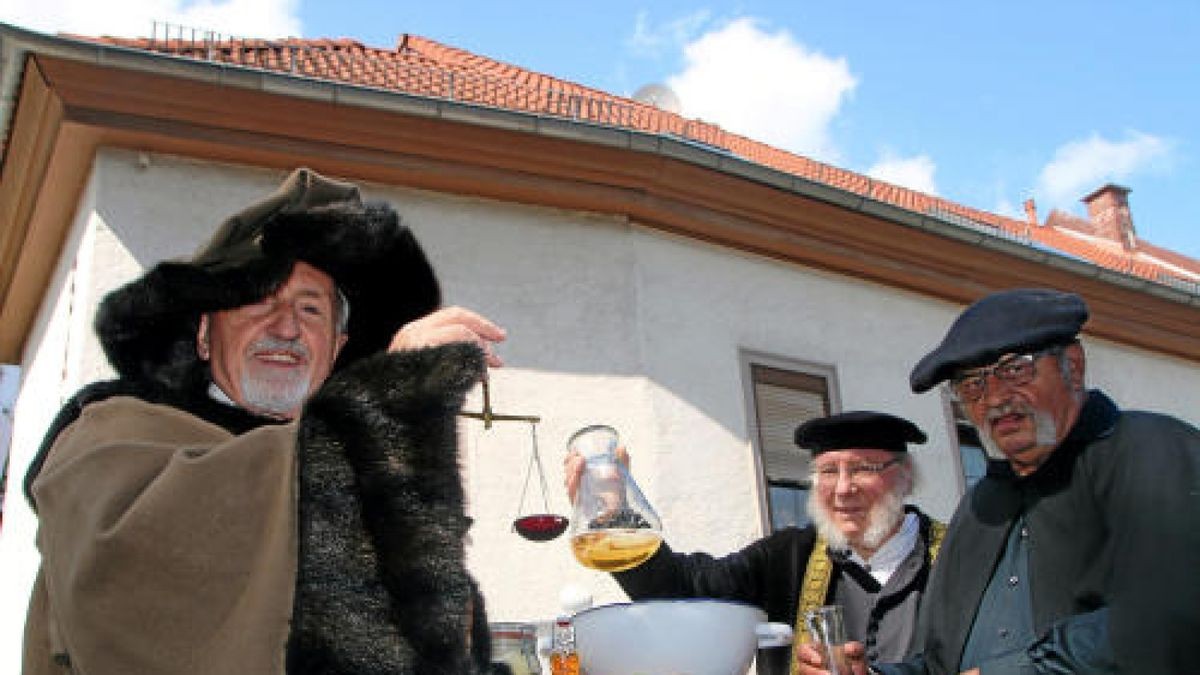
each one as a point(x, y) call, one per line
point(865, 550)
point(1078, 551)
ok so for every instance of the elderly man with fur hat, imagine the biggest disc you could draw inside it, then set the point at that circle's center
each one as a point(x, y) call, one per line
point(271, 482)
point(1078, 551)
point(866, 550)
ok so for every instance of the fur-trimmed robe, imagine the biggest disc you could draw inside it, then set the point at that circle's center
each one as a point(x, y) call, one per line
point(180, 535)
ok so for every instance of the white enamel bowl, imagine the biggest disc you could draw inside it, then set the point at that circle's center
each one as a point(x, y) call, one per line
point(672, 637)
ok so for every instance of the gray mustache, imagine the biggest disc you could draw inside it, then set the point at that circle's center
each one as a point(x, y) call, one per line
point(1010, 408)
point(269, 344)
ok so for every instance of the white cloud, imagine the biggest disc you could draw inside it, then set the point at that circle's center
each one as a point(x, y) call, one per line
point(1006, 208)
point(1081, 166)
point(1002, 203)
point(135, 18)
point(914, 172)
point(652, 40)
point(766, 86)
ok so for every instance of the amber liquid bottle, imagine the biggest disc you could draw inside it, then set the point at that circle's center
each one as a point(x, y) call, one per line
point(564, 660)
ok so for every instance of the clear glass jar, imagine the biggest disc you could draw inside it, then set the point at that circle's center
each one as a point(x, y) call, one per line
point(515, 645)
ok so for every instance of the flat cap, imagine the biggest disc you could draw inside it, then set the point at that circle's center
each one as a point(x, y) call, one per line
point(1007, 322)
point(857, 430)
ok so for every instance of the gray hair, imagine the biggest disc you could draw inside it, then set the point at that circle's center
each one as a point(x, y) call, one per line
point(341, 311)
point(910, 469)
point(1064, 370)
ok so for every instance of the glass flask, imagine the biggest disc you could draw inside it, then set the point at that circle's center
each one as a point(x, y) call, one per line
point(613, 526)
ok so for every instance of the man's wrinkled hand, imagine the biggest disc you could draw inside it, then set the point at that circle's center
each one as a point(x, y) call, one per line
point(447, 325)
point(811, 662)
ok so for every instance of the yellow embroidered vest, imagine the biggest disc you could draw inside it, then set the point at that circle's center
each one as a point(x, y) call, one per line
point(819, 571)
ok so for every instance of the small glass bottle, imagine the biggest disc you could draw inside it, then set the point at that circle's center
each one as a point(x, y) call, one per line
point(564, 660)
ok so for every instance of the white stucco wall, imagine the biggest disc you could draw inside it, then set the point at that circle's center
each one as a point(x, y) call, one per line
point(52, 357)
point(608, 322)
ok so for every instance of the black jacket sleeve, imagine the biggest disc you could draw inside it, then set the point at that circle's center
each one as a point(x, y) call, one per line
point(767, 573)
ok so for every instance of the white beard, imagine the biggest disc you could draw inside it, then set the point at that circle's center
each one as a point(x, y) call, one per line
point(882, 520)
point(1045, 433)
point(273, 392)
point(277, 395)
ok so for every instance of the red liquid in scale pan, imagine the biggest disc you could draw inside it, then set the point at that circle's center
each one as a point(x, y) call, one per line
point(540, 526)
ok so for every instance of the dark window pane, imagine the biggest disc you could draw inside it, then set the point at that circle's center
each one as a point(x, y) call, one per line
point(787, 506)
point(974, 460)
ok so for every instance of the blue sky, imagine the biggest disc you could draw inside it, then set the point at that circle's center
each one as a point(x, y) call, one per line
point(986, 104)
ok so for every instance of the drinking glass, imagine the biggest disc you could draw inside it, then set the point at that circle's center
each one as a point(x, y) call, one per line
point(827, 630)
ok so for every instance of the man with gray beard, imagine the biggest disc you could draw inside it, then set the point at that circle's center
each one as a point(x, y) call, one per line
point(270, 484)
point(1078, 551)
point(865, 550)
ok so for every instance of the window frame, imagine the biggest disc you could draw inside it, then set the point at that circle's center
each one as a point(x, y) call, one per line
point(953, 414)
point(748, 360)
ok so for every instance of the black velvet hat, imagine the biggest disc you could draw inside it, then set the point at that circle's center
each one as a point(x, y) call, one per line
point(1007, 322)
point(148, 327)
point(860, 429)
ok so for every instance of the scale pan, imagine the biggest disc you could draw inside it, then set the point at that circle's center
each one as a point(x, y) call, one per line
point(540, 526)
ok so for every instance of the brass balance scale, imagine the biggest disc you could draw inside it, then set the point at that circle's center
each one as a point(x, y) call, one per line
point(613, 527)
point(539, 527)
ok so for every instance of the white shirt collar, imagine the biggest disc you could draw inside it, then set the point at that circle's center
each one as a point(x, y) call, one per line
point(218, 394)
point(887, 559)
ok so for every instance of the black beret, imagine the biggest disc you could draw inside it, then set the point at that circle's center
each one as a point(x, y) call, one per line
point(1020, 320)
point(856, 430)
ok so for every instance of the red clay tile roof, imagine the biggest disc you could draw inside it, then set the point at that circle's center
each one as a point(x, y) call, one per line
point(1066, 232)
point(424, 67)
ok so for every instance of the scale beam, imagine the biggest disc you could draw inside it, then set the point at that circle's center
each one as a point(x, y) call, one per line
point(488, 416)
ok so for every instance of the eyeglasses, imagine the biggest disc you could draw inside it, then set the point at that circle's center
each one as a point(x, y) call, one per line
point(860, 472)
point(1013, 370)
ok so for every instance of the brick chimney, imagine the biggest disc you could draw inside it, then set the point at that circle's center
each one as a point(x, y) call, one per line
point(1031, 212)
point(1108, 213)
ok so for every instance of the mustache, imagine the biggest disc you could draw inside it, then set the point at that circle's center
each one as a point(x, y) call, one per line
point(295, 348)
point(1008, 408)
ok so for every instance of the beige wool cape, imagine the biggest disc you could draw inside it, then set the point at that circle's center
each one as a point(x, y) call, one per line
point(170, 545)
point(193, 537)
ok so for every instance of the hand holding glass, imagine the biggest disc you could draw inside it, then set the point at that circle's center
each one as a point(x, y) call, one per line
point(827, 630)
point(613, 527)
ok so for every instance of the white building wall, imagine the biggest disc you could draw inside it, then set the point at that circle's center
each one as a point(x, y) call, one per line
point(50, 367)
point(608, 322)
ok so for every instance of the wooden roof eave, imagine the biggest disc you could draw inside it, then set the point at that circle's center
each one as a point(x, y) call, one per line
point(274, 120)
